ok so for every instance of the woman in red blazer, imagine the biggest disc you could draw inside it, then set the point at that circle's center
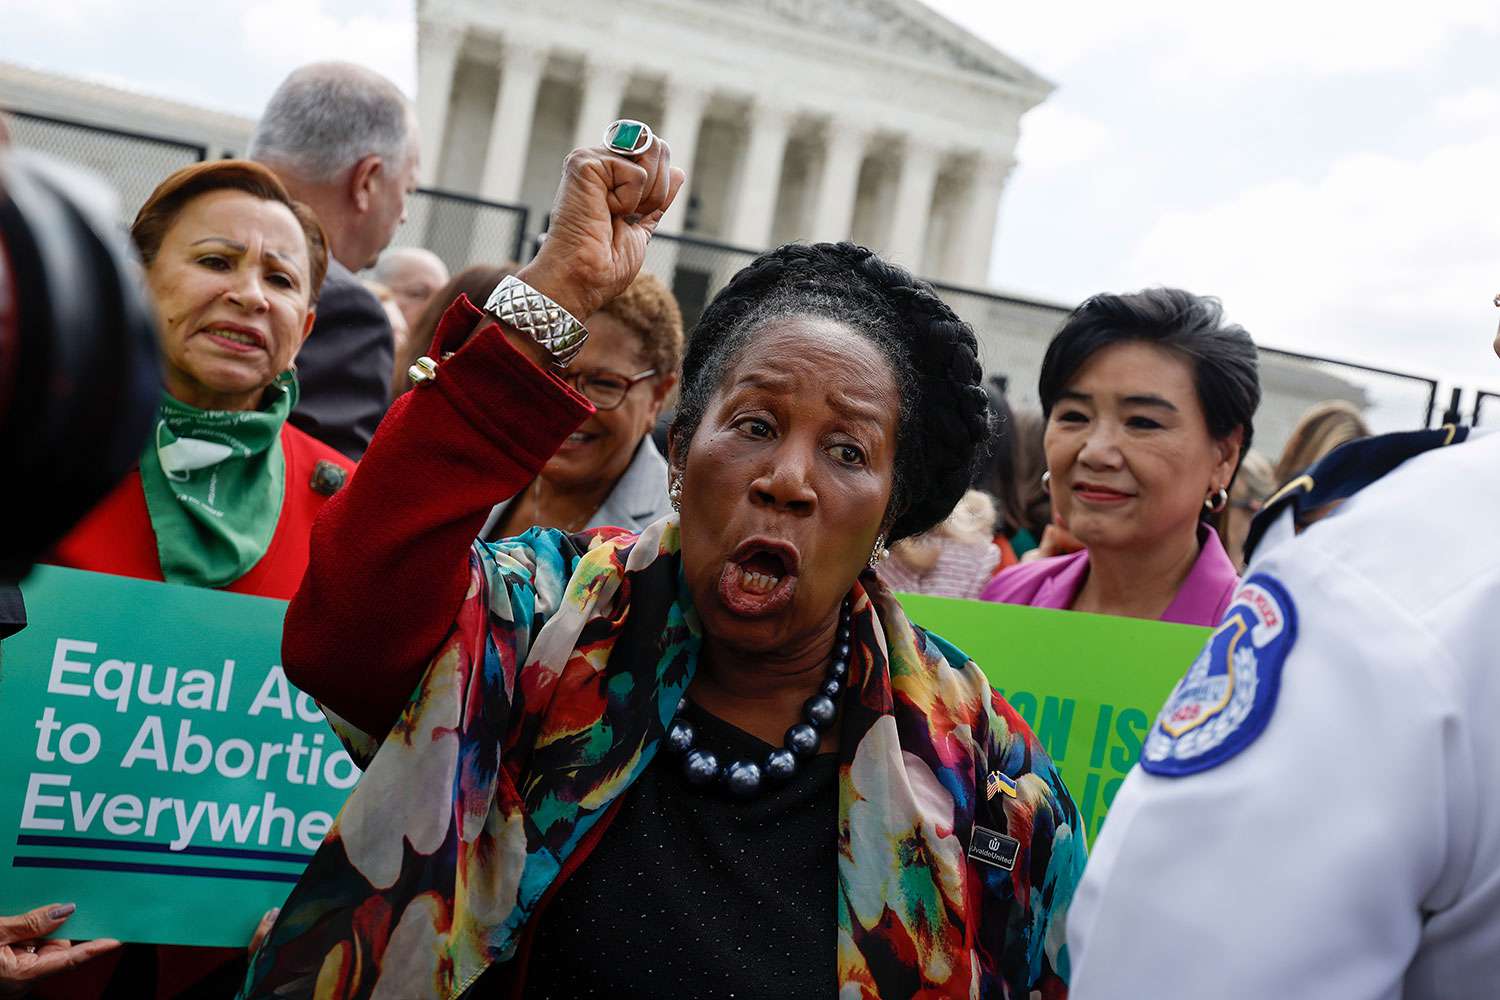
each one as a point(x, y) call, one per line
point(226, 490)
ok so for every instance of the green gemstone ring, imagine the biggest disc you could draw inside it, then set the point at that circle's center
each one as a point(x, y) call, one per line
point(628, 137)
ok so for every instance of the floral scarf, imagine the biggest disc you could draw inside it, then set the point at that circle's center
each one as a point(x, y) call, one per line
point(549, 697)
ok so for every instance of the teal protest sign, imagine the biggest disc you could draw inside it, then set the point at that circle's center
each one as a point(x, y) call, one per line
point(160, 771)
point(164, 775)
point(1088, 685)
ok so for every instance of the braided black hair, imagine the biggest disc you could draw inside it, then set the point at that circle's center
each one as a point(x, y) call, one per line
point(945, 414)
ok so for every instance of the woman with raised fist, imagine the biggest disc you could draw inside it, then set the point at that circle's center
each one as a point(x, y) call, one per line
point(712, 758)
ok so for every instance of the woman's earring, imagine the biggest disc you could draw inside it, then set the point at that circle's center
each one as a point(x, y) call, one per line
point(674, 493)
point(879, 552)
point(1217, 501)
point(1047, 481)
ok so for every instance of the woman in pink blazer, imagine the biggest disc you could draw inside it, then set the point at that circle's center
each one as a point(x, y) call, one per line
point(1149, 400)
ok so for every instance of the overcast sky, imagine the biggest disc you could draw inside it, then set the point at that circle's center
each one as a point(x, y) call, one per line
point(1330, 172)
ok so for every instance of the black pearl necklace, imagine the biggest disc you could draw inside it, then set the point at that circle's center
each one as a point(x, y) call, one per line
point(745, 779)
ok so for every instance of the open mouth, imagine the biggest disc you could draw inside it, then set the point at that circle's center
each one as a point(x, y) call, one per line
point(760, 577)
point(579, 439)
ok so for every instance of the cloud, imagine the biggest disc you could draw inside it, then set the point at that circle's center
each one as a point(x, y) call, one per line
point(1325, 38)
point(1212, 42)
point(64, 14)
point(1054, 136)
point(281, 35)
point(1478, 106)
point(212, 53)
point(1380, 257)
point(1050, 38)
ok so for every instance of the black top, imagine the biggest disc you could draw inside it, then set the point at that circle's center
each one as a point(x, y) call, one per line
point(12, 610)
point(690, 893)
point(344, 366)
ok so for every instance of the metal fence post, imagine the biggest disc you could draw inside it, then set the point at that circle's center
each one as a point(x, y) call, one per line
point(520, 234)
point(1452, 415)
point(1481, 396)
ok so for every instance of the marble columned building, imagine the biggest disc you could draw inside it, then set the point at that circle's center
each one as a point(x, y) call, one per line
point(1013, 332)
point(875, 120)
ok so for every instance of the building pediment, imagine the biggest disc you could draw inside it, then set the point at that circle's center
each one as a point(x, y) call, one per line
point(903, 27)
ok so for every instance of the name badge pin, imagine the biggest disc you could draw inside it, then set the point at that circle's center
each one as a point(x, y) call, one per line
point(993, 848)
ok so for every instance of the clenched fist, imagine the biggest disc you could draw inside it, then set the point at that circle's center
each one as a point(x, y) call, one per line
point(607, 207)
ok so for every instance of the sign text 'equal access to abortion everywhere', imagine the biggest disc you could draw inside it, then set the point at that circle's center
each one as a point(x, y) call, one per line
point(162, 772)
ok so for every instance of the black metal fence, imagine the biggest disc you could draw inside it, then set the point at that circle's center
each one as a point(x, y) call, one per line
point(463, 230)
point(1013, 332)
point(1486, 408)
point(132, 162)
point(458, 228)
point(1291, 382)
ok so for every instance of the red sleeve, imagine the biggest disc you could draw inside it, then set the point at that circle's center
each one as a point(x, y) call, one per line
point(388, 565)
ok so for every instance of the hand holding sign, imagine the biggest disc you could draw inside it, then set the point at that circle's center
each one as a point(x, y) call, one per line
point(27, 954)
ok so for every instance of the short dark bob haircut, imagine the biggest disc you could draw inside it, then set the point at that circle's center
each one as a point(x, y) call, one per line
point(162, 209)
point(1222, 356)
point(934, 356)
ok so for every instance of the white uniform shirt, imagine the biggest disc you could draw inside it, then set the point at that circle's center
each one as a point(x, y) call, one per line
point(1351, 850)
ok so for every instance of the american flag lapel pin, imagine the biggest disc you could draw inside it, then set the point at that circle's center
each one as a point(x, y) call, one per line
point(999, 782)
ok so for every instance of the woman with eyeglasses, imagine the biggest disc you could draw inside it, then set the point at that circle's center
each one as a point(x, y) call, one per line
point(608, 473)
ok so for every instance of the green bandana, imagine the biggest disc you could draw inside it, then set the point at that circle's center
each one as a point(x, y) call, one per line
point(214, 481)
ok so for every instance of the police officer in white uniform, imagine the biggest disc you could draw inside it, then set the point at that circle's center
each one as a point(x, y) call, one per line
point(1316, 812)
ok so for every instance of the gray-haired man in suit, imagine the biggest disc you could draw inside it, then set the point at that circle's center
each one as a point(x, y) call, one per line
point(344, 140)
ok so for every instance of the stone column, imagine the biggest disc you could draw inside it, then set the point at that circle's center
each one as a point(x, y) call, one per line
point(603, 90)
point(437, 59)
point(976, 235)
point(754, 211)
point(833, 213)
point(913, 207)
point(510, 130)
point(682, 119)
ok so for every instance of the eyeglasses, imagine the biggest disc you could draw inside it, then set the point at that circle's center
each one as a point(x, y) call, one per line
point(606, 390)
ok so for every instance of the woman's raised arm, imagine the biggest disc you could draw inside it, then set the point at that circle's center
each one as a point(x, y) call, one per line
point(388, 566)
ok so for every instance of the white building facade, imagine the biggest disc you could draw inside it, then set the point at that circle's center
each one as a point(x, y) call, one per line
point(770, 175)
point(871, 120)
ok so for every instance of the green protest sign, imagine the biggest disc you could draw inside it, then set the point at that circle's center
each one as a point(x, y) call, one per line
point(1088, 685)
point(165, 776)
point(162, 773)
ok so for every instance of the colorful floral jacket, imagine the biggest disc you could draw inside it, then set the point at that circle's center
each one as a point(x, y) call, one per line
point(551, 695)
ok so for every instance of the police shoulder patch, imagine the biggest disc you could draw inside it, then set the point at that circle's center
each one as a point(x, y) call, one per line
point(1229, 693)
